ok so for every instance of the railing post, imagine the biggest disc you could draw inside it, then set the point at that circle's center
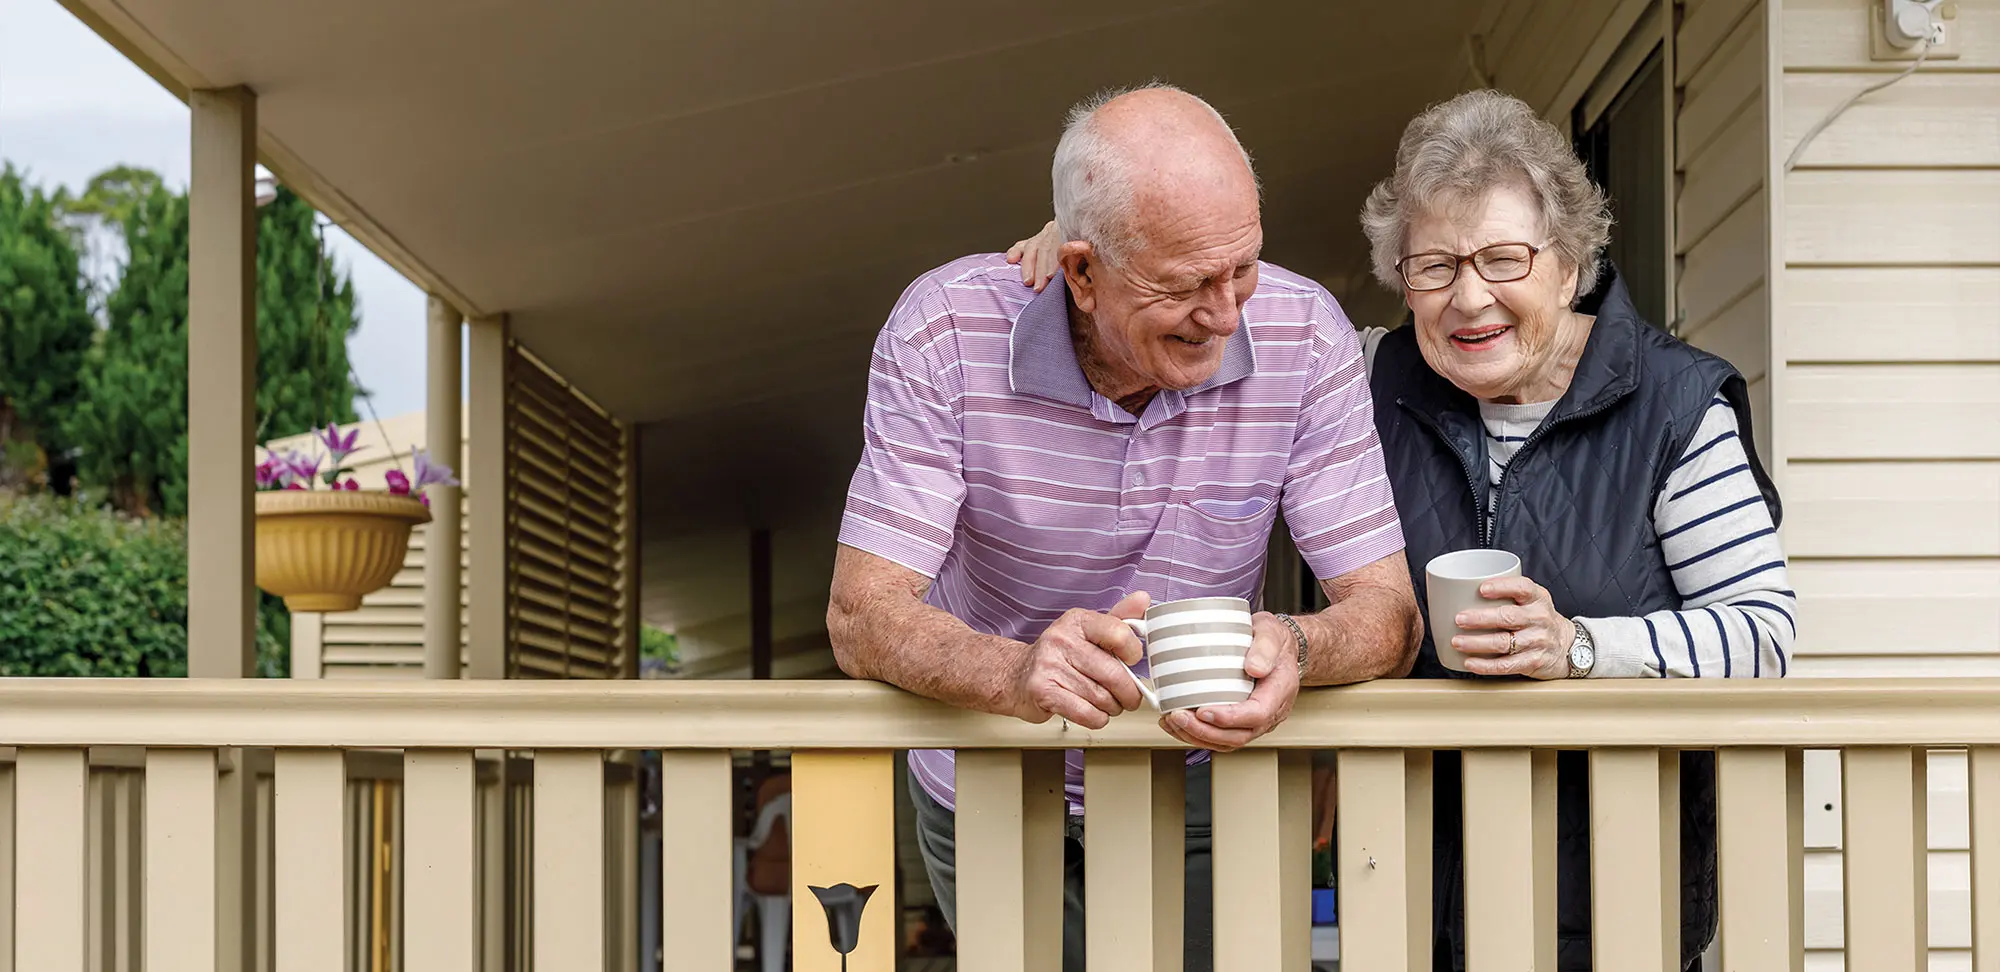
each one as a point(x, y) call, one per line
point(1983, 768)
point(844, 832)
point(440, 862)
point(1630, 872)
point(1886, 858)
point(1755, 800)
point(569, 860)
point(310, 861)
point(1509, 794)
point(1134, 877)
point(696, 923)
point(1378, 929)
point(49, 843)
point(1295, 845)
point(181, 839)
point(1009, 822)
point(1249, 931)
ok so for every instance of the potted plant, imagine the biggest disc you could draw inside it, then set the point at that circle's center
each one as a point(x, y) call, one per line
point(322, 541)
point(1323, 894)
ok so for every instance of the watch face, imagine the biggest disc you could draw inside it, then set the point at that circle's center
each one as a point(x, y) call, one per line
point(1581, 657)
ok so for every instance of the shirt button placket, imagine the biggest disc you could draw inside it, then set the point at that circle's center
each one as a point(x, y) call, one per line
point(1135, 480)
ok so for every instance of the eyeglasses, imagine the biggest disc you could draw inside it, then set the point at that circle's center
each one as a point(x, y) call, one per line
point(1499, 263)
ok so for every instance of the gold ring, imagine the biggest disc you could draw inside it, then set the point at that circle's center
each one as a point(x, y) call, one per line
point(1512, 647)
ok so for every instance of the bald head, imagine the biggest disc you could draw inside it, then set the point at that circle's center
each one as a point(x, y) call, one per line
point(1131, 160)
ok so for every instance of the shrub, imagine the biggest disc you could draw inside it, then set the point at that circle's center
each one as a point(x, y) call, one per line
point(88, 592)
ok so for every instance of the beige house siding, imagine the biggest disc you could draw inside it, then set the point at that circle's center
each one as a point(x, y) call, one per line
point(1721, 213)
point(1888, 334)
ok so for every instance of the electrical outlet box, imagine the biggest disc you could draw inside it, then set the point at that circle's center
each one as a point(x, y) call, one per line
point(1944, 14)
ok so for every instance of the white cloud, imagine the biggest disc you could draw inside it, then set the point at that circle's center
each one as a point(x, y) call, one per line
point(72, 106)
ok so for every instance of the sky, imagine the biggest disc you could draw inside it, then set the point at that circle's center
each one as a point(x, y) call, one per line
point(72, 106)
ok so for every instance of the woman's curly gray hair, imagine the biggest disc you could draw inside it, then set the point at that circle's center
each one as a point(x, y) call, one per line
point(1456, 152)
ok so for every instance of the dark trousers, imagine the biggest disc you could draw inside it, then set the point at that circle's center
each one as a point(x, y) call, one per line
point(935, 828)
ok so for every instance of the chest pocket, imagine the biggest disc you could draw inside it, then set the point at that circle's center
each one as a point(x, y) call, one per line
point(1219, 547)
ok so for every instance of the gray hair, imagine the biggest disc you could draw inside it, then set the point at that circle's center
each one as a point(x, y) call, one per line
point(1092, 177)
point(1458, 151)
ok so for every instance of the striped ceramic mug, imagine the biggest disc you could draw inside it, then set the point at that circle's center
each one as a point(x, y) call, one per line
point(1195, 650)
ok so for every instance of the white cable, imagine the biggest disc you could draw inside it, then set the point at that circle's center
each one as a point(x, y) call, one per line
point(1800, 149)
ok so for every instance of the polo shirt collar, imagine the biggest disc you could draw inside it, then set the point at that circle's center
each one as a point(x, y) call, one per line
point(1042, 356)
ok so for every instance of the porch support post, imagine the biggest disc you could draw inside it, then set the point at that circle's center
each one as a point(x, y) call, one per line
point(222, 368)
point(485, 480)
point(443, 615)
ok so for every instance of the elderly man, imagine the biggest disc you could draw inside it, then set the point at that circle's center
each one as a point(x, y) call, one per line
point(1038, 466)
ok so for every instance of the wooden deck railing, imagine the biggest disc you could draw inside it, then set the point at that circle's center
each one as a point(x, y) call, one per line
point(192, 735)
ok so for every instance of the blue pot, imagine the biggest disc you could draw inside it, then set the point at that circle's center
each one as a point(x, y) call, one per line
point(1323, 906)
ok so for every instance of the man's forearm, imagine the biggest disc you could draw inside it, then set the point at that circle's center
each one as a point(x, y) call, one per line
point(1371, 633)
point(887, 633)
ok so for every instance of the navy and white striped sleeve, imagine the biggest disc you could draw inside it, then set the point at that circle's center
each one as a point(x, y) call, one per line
point(1738, 616)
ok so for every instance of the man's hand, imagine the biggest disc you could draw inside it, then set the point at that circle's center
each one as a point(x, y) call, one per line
point(1076, 669)
point(1272, 662)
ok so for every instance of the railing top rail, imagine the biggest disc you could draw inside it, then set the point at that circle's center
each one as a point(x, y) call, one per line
point(866, 715)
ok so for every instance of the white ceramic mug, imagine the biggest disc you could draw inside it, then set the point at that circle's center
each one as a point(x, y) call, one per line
point(1195, 649)
point(1453, 586)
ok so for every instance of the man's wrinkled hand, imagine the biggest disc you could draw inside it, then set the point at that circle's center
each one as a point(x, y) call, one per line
point(1077, 668)
point(1272, 662)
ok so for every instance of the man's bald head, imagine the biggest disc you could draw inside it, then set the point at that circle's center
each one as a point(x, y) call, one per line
point(1128, 157)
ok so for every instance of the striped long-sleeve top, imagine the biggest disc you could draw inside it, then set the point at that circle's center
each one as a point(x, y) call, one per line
point(1738, 615)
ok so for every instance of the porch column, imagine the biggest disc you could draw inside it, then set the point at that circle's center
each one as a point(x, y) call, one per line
point(222, 367)
point(444, 536)
point(485, 482)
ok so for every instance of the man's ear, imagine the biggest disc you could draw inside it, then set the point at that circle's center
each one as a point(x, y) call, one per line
point(1082, 271)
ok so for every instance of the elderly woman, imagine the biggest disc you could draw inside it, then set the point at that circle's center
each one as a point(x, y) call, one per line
point(1527, 407)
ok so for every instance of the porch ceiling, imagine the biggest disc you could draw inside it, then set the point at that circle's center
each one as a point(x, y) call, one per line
point(701, 212)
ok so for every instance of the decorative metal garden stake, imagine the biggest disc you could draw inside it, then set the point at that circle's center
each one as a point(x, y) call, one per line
point(844, 904)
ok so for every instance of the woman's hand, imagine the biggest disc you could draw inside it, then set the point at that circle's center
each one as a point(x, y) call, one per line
point(1531, 637)
point(1039, 256)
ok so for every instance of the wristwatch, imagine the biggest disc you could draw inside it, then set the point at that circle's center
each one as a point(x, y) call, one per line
point(1582, 651)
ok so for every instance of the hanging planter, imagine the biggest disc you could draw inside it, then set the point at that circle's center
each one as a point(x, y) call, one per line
point(323, 549)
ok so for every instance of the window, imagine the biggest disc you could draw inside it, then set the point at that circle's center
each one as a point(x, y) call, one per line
point(1625, 148)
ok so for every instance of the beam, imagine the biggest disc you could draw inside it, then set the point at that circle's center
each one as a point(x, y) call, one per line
point(222, 369)
point(443, 429)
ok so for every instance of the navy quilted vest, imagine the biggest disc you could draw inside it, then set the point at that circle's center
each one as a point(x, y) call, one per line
point(1576, 504)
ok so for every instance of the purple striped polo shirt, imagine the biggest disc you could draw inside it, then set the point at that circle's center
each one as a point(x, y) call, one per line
point(990, 465)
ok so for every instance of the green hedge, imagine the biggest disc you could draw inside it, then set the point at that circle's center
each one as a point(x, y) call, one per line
point(88, 592)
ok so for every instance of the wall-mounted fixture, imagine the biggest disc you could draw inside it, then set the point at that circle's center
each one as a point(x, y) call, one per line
point(1898, 30)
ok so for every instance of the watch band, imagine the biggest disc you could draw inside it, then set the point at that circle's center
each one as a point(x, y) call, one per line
point(1299, 634)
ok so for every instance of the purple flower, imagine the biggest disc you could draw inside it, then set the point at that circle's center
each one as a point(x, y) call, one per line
point(338, 446)
point(399, 484)
point(303, 468)
point(351, 485)
point(270, 473)
point(430, 473)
